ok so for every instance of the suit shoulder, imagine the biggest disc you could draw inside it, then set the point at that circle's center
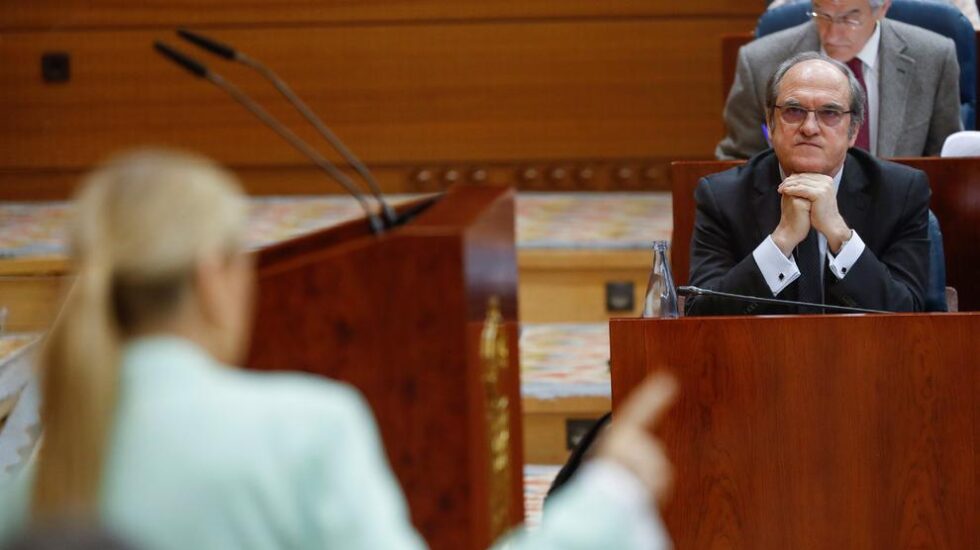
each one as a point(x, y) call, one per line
point(734, 181)
point(890, 168)
point(919, 39)
point(881, 171)
point(725, 179)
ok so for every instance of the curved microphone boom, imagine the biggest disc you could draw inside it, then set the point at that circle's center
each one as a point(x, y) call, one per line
point(231, 54)
point(200, 70)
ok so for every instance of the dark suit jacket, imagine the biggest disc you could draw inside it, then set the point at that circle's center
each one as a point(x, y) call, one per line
point(884, 202)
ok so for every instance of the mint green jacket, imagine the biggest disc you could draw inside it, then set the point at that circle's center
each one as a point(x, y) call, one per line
point(208, 456)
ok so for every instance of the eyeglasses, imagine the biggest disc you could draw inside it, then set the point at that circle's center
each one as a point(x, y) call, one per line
point(828, 117)
point(852, 20)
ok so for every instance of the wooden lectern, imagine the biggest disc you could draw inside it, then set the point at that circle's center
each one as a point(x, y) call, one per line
point(401, 316)
point(816, 431)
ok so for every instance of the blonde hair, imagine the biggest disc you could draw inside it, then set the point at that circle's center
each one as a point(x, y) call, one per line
point(141, 223)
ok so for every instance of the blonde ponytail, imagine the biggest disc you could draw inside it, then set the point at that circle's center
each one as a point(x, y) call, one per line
point(140, 224)
point(79, 378)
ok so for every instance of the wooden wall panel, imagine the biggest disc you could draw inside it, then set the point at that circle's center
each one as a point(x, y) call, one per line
point(303, 179)
point(542, 94)
point(62, 14)
point(425, 93)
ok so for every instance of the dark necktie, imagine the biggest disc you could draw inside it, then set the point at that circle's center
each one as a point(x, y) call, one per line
point(864, 139)
point(808, 261)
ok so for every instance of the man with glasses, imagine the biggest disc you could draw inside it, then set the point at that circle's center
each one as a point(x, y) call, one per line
point(812, 220)
point(910, 76)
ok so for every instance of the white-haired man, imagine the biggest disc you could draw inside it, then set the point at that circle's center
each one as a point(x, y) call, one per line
point(910, 76)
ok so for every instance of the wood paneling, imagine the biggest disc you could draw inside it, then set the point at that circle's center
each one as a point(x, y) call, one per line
point(684, 180)
point(569, 286)
point(61, 14)
point(856, 432)
point(31, 301)
point(539, 175)
point(555, 286)
point(545, 425)
point(483, 92)
point(955, 184)
point(399, 317)
point(730, 45)
point(31, 290)
point(34, 266)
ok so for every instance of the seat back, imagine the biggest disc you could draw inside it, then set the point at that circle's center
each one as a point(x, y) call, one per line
point(788, 15)
point(936, 286)
point(934, 15)
point(962, 144)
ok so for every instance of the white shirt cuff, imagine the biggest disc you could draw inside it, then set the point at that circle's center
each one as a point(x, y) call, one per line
point(778, 270)
point(620, 484)
point(848, 255)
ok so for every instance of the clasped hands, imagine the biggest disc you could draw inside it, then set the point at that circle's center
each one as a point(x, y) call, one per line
point(809, 200)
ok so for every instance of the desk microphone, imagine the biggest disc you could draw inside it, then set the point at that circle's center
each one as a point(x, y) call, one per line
point(696, 291)
point(198, 69)
point(227, 52)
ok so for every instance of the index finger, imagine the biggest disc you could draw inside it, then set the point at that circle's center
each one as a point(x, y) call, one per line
point(649, 401)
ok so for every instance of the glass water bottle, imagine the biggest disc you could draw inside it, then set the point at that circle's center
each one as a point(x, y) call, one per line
point(661, 296)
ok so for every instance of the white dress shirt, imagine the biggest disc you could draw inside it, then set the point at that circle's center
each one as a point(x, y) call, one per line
point(779, 270)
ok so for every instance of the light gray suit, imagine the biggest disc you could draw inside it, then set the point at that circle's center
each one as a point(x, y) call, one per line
point(918, 93)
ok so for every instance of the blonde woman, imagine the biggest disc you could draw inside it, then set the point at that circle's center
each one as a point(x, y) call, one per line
point(150, 432)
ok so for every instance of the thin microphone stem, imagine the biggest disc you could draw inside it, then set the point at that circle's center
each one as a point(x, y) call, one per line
point(376, 225)
point(696, 291)
point(227, 52)
point(324, 130)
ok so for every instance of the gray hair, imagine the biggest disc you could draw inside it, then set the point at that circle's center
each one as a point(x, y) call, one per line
point(858, 101)
point(873, 4)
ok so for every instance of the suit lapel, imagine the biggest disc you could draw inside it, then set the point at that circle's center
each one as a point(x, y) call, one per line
point(896, 71)
point(765, 199)
point(853, 198)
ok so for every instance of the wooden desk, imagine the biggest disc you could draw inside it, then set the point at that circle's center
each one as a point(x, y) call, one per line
point(816, 431)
